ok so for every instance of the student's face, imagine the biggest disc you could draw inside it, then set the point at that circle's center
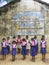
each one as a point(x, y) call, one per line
point(32, 40)
point(13, 42)
point(18, 37)
point(4, 40)
point(8, 38)
point(42, 40)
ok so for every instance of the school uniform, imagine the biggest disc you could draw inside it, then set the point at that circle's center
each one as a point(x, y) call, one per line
point(32, 49)
point(4, 48)
point(16, 42)
point(14, 49)
point(8, 46)
point(24, 51)
point(43, 47)
point(36, 44)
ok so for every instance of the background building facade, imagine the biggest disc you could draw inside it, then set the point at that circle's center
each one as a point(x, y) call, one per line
point(26, 18)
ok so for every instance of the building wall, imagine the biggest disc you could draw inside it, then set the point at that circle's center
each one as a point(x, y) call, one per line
point(7, 26)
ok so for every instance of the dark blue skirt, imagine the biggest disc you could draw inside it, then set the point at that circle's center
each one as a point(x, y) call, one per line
point(43, 50)
point(36, 47)
point(8, 49)
point(4, 51)
point(14, 51)
point(24, 51)
point(32, 51)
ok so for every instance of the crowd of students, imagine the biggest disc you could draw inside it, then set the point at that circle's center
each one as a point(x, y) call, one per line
point(23, 46)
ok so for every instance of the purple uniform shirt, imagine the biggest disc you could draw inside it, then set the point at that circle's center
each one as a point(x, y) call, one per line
point(23, 43)
point(43, 44)
point(3, 44)
point(13, 45)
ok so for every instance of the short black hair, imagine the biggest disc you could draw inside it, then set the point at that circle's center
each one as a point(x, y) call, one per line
point(8, 37)
point(32, 38)
point(19, 36)
point(14, 42)
point(26, 36)
point(35, 37)
point(3, 39)
point(23, 39)
point(14, 37)
point(43, 36)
